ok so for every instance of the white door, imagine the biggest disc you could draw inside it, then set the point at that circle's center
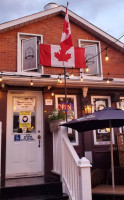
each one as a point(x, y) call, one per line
point(24, 153)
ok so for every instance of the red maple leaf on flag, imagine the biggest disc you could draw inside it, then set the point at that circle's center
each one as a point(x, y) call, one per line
point(62, 56)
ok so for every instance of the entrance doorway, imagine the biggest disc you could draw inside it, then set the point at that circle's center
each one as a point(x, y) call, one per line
point(24, 152)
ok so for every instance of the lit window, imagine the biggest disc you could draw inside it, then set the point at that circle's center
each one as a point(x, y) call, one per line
point(101, 136)
point(71, 113)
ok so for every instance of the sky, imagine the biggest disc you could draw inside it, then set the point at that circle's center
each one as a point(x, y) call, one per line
point(107, 15)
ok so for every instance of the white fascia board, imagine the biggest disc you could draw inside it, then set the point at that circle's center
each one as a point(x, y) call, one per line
point(31, 17)
point(93, 27)
point(74, 16)
point(53, 77)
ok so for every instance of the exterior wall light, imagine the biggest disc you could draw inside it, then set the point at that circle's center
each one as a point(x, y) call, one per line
point(85, 90)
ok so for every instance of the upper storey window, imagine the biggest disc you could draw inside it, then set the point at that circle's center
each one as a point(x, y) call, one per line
point(92, 56)
point(28, 53)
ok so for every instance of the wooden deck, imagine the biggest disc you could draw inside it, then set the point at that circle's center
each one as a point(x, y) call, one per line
point(107, 189)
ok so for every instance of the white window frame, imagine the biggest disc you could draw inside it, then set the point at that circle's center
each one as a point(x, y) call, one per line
point(91, 76)
point(94, 131)
point(75, 111)
point(20, 37)
point(120, 129)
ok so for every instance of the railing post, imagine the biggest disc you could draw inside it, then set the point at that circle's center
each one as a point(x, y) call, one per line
point(85, 179)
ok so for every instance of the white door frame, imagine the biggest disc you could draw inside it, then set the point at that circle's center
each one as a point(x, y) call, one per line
point(9, 128)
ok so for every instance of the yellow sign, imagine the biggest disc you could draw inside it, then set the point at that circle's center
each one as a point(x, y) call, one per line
point(24, 119)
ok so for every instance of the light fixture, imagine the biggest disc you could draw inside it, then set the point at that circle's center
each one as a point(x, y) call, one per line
point(51, 90)
point(72, 75)
point(108, 79)
point(107, 130)
point(106, 55)
point(87, 69)
point(85, 90)
point(60, 80)
point(31, 83)
point(3, 85)
point(88, 108)
point(52, 94)
point(1, 78)
point(81, 78)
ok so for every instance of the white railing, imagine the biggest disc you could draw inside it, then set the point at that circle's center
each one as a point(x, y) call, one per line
point(57, 167)
point(0, 144)
point(75, 172)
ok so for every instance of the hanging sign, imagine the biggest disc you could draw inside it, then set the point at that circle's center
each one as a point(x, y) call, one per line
point(24, 119)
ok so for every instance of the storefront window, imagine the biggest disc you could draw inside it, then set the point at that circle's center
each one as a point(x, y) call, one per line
point(24, 115)
point(101, 136)
point(71, 113)
point(120, 105)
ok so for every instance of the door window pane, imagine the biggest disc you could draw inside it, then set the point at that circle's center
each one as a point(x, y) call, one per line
point(24, 115)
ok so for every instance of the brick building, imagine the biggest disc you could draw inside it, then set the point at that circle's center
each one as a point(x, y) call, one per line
point(29, 151)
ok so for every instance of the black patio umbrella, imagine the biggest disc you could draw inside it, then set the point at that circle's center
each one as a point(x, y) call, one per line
point(106, 118)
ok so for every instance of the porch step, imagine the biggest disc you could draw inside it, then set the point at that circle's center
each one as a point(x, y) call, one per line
point(107, 197)
point(43, 197)
point(39, 188)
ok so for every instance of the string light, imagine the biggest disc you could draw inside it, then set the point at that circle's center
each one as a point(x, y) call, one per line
point(87, 69)
point(106, 56)
point(58, 80)
point(108, 81)
point(1, 78)
point(81, 78)
point(72, 75)
point(31, 83)
point(52, 94)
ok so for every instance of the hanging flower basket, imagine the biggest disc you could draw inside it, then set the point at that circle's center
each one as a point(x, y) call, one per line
point(54, 125)
point(55, 118)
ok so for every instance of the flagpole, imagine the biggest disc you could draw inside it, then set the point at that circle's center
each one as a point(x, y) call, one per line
point(65, 94)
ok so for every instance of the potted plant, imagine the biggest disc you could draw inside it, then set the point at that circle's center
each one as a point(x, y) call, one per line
point(55, 118)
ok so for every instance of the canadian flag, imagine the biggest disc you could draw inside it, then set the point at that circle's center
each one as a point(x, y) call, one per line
point(63, 55)
point(66, 39)
point(52, 55)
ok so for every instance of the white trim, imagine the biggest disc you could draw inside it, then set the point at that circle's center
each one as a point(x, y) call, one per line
point(75, 111)
point(94, 131)
point(31, 17)
point(99, 67)
point(120, 129)
point(20, 37)
point(0, 144)
point(22, 93)
point(74, 17)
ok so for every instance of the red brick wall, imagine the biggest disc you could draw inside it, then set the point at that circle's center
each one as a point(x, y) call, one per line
point(51, 29)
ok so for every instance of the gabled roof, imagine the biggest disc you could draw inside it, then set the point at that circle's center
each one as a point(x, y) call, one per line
point(72, 16)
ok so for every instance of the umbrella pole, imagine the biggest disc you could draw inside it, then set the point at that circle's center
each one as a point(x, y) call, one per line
point(112, 159)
